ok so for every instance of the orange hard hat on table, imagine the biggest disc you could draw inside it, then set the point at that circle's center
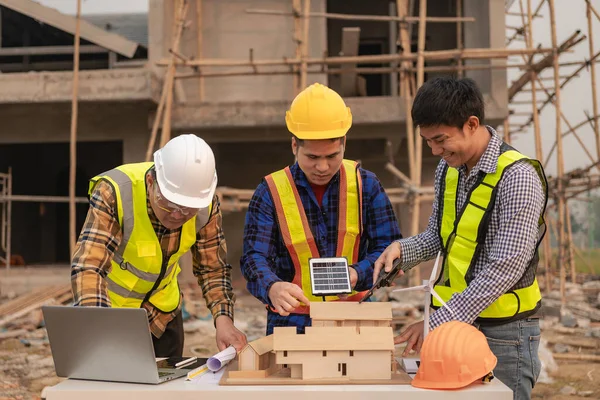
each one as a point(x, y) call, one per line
point(453, 356)
point(318, 112)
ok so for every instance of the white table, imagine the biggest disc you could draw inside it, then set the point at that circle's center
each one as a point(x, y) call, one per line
point(181, 389)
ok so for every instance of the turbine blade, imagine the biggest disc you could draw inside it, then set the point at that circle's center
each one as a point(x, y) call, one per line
point(410, 289)
point(435, 267)
point(437, 296)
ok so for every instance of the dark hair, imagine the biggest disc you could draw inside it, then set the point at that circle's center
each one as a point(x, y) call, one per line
point(301, 141)
point(447, 101)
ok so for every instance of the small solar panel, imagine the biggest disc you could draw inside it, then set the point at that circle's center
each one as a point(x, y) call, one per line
point(329, 276)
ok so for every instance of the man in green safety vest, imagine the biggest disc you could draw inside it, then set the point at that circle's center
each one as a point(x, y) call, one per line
point(142, 218)
point(488, 222)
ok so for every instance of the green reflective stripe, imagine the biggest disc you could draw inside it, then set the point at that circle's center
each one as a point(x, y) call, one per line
point(121, 291)
point(127, 217)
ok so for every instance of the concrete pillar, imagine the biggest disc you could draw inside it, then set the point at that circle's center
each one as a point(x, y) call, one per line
point(487, 31)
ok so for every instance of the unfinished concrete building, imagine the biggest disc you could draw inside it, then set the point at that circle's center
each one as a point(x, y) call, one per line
point(240, 115)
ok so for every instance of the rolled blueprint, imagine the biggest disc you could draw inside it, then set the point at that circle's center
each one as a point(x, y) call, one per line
point(221, 359)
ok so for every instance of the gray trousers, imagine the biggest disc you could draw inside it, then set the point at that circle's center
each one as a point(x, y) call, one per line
point(516, 346)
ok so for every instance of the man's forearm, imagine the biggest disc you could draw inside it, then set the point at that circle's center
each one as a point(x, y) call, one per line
point(419, 248)
point(89, 288)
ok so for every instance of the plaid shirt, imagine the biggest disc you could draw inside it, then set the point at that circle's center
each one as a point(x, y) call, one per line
point(100, 238)
point(265, 258)
point(510, 243)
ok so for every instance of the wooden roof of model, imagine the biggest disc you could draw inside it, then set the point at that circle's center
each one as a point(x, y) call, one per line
point(350, 310)
point(335, 338)
point(261, 346)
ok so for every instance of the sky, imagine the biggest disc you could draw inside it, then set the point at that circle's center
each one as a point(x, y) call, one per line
point(98, 6)
point(575, 97)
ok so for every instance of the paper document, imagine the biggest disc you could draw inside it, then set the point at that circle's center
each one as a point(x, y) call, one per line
point(208, 378)
point(221, 359)
point(215, 363)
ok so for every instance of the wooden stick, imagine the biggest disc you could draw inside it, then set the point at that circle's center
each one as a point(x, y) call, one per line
point(416, 209)
point(165, 89)
point(73, 138)
point(11, 334)
point(399, 174)
point(535, 14)
point(571, 130)
point(593, 9)
point(506, 136)
point(543, 87)
point(157, 120)
point(364, 71)
point(559, 159)
point(402, 11)
point(550, 96)
point(296, 10)
point(305, 37)
point(570, 243)
point(199, 45)
point(354, 17)
point(577, 357)
point(459, 36)
point(546, 62)
point(547, 261)
point(170, 77)
point(593, 75)
point(438, 55)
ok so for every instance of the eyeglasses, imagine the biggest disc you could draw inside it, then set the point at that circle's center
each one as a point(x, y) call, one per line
point(169, 207)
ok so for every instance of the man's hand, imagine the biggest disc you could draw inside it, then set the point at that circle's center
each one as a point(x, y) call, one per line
point(386, 259)
point(413, 336)
point(228, 334)
point(353, 280)
point(285, 296)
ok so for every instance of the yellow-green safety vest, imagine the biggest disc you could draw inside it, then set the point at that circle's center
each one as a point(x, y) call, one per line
point(138, 271)
point(464, 237)
point(297, 235)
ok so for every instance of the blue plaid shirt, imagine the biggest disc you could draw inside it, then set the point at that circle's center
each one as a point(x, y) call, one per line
point(265, 259)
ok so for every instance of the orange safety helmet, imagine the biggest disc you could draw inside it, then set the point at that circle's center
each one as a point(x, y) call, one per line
point(454, 355)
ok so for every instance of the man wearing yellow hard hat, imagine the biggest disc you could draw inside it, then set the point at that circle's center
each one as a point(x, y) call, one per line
point(322, 206)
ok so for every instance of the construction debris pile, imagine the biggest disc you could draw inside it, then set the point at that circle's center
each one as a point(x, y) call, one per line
point(26, 365)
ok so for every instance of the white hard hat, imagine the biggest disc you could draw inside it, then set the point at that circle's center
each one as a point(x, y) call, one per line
point(185, 171)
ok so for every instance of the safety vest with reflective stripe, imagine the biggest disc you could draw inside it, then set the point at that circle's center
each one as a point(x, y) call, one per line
point(463, 239)
point(297, 235)
point(138, 271)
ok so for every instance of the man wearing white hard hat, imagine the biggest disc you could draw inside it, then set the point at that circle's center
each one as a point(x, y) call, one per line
point(142, 218)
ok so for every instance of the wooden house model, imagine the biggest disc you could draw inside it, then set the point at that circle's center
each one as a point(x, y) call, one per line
point(347, 341)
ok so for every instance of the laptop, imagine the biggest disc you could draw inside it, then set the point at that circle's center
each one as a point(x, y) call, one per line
point(107, 344)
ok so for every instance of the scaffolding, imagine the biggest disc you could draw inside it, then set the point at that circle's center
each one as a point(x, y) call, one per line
point(534, 60)
point(411, 68)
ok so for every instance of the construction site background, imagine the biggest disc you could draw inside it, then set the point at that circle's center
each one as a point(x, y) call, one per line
point(81, 95)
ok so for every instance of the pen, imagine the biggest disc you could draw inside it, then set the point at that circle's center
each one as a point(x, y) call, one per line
point(185, 362)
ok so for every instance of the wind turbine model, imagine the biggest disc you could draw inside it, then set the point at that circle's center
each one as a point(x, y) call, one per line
point(427, 287)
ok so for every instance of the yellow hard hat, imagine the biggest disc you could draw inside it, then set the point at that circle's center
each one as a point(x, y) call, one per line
point(318, 113)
